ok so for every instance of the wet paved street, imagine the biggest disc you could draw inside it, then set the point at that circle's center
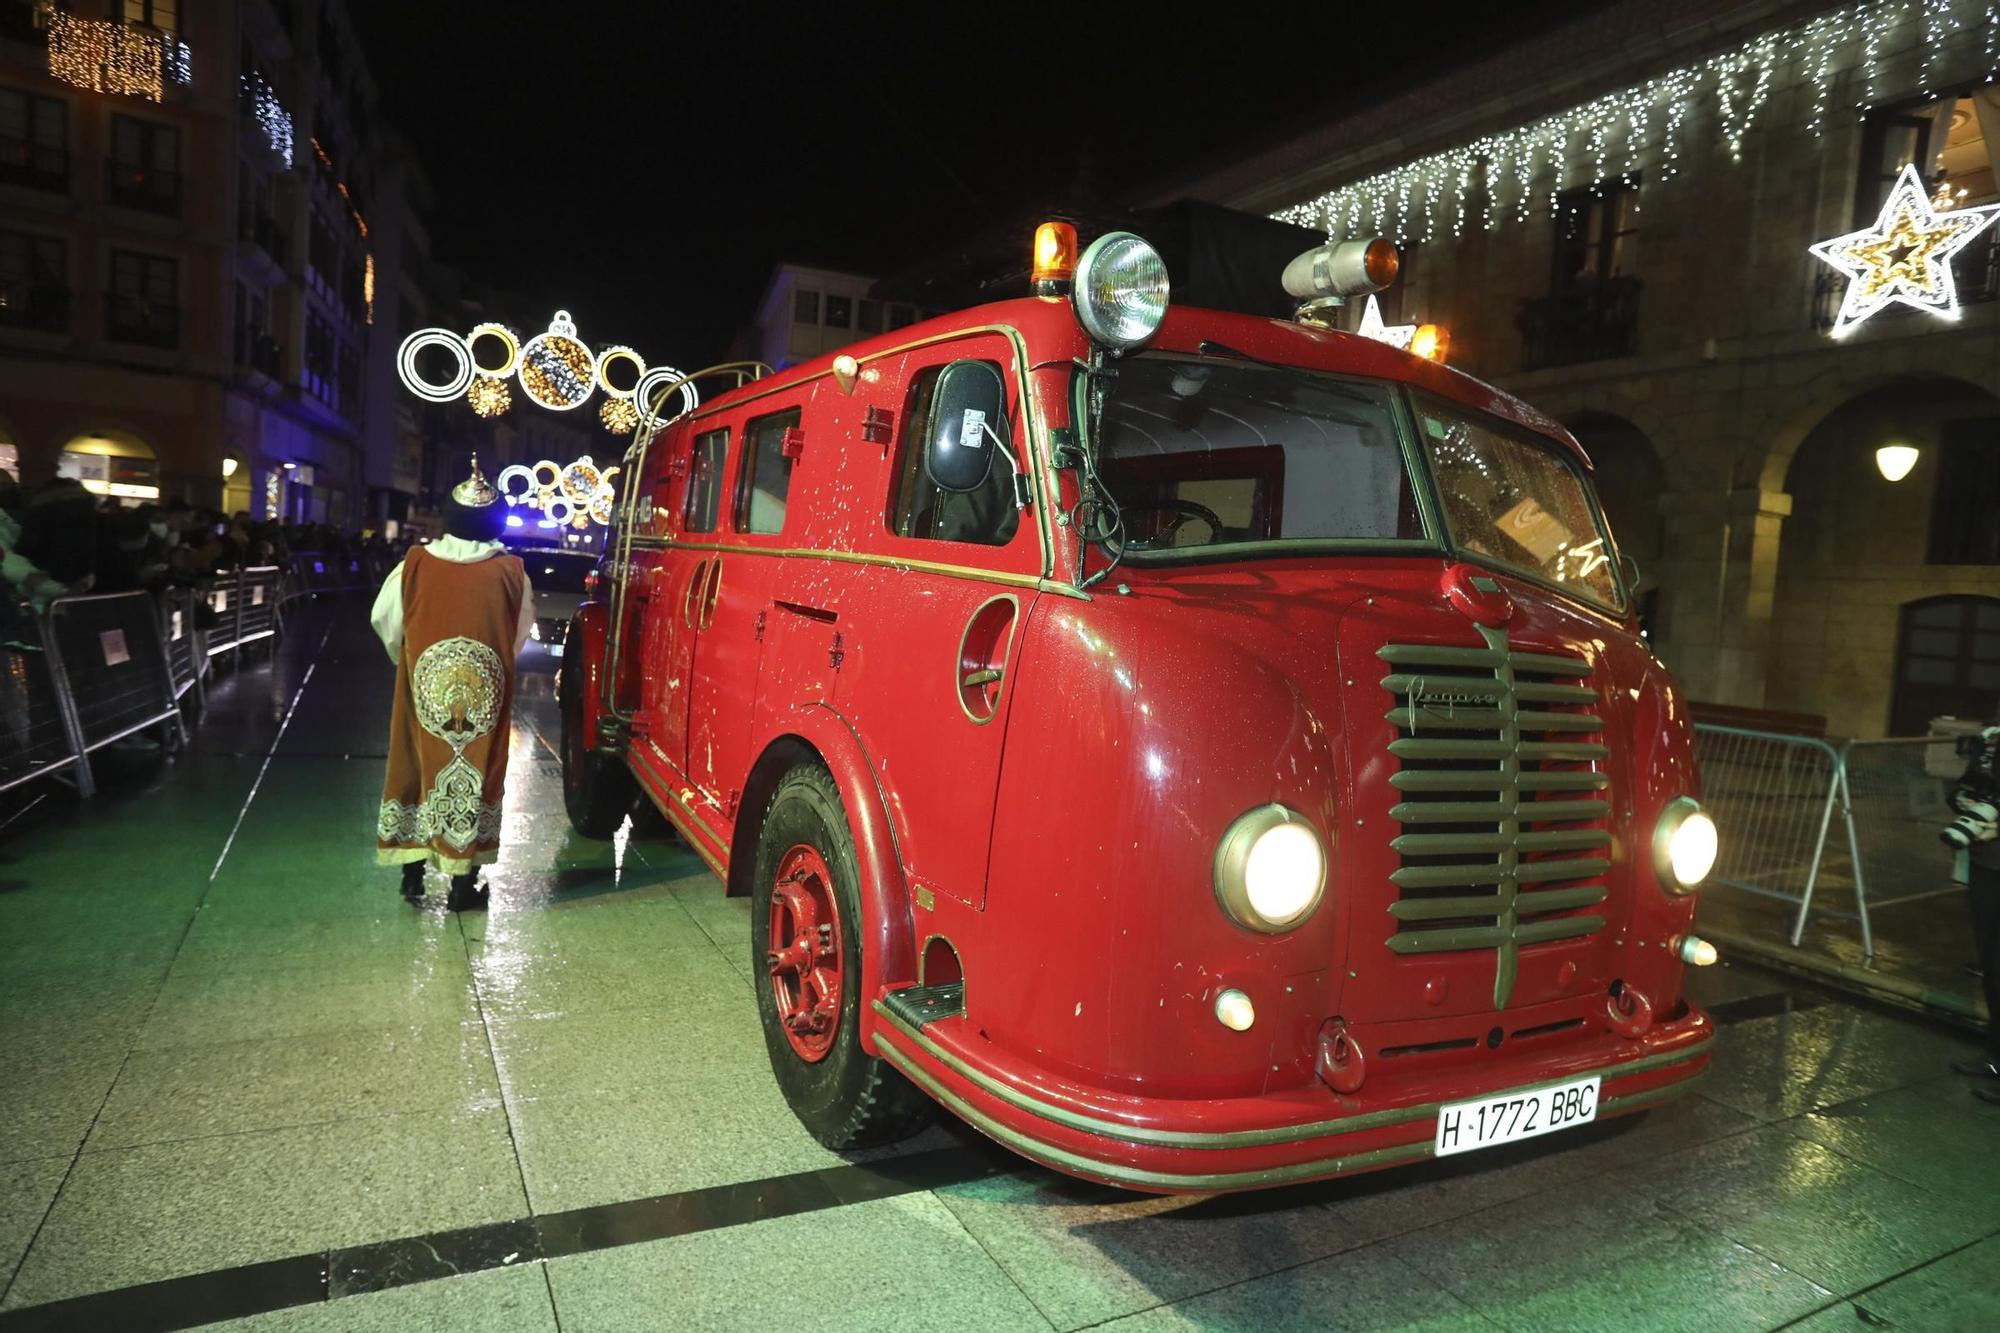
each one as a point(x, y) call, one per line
point(238, 1075)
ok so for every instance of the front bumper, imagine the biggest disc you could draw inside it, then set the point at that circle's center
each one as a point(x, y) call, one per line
point(1169, 1146)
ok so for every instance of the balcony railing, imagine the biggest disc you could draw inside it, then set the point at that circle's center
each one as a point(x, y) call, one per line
point(33, 165)
point(148, 189)
point(263, 230)
point(41, 307)
point(128, 319)
point(1593, 321)
point(1975, 270)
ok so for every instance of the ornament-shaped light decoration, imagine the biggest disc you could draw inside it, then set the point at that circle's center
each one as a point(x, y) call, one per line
point(1905, 256)
point(556, 369)
point(618, 415)
point(572, 495)
point(488, 396)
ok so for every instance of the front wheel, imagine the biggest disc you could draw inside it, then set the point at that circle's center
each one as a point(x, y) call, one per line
point(806, 940)
point(598, 790)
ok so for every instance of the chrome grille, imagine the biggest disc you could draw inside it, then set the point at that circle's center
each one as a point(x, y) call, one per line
point(1499, 791)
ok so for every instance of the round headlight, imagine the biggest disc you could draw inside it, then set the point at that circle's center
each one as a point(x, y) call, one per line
point(1684, 845)
point(1270, 870)
point(1121, 291)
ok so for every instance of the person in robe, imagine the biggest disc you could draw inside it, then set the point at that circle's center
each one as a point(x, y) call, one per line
point(453, 615)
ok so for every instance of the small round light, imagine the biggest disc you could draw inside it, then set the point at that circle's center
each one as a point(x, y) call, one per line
point(1697, 952)
point(1684, 845)
point(1270, 870)
point(1234, 1010)
point(1121, 291)
point(1430, 341)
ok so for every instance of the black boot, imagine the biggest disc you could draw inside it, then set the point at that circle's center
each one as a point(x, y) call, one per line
point(466, 894)
point(413, 881)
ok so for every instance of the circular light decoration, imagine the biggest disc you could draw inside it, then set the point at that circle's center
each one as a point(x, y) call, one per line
point(489, 397)
point(556, 370)
point(610, 357)
point(567, 514)
point(580, 478)
point(600, 505)
point(509, 344)
point(618, 415)
point(526, 494)
point(652, 384)
point(415, 344)
point(553, 484)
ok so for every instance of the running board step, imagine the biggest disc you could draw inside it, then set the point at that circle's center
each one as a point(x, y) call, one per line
point(919, 1005)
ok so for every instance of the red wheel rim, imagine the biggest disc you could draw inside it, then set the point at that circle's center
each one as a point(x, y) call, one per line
point(805, 952)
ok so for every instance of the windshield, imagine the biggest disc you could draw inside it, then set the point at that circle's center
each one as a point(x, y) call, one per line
point(1206, 454)
point(557, 571)
point(1511, 499)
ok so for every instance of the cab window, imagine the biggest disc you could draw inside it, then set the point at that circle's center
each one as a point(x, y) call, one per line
point(917, 508)
point(705, 481)
point(767, 473)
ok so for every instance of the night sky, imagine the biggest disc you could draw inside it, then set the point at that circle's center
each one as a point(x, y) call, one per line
point(643, 166)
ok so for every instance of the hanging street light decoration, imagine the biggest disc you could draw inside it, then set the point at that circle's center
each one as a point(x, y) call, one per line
point(1396, 335)
point(555, 370)
point(489, 397)
point(1905, 256)
point(573, 496)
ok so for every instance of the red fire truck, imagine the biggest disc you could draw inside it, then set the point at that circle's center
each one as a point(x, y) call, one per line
point(1201, 751)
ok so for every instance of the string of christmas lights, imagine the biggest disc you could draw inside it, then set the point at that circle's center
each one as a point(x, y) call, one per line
point(271, 116)
point(108, 57)
point(1643, 126)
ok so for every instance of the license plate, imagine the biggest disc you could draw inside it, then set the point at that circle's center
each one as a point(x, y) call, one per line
point(555, 650)
point(1463, 1126)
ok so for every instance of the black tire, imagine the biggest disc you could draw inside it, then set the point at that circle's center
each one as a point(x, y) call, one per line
point(598, 790)
point(847, 1098)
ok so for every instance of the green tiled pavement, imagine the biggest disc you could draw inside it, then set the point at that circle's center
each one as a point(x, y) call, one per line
point(204, 1066)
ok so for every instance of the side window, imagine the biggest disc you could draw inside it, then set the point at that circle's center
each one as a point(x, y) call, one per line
point(705, 481)
point(919, 509)
point(767, 473)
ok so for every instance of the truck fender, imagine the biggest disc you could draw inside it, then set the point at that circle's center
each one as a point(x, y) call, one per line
point(589, 631)
point(819, 732)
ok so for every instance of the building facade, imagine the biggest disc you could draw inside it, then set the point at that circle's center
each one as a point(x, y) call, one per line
point(201, 235)
point(808, 312)
point(1615, 223)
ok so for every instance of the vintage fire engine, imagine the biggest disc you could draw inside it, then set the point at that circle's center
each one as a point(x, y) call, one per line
point(1203, 752)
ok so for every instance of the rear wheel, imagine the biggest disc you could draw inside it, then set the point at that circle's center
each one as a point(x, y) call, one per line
point(805, 922)
point(598, 790)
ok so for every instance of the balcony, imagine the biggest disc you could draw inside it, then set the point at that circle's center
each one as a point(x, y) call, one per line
point(261, 231)
point(130, 319)
point(38, 308)
point(262, 353)
point(1591, 321)
point(32, 165)
point(146, 189)
point(1975, 270)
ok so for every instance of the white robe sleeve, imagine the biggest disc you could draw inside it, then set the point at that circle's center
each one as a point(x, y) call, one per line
point(527, 619)
point(387, 615)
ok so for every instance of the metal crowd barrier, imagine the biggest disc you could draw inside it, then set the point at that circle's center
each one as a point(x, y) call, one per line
point(1800, 816)
point(37, 731)
point(244, 607)
point(187, 655)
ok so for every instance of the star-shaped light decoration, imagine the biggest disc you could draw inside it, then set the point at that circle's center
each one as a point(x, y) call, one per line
point(1906, 256)
point(1396, 335)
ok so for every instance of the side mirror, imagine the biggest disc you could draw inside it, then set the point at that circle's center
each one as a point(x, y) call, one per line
point(971, 400)
point(1629, 567)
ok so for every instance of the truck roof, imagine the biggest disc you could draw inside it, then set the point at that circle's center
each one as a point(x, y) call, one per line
point(1184, 330)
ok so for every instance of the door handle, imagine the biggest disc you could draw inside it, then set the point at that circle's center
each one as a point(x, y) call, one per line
point(982, 657)
point(974, 679)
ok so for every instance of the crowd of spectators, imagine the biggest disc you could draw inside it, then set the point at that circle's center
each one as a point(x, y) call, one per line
point(62, 540)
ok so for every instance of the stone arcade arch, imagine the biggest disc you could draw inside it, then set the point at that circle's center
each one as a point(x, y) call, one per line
point(1858, 549)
